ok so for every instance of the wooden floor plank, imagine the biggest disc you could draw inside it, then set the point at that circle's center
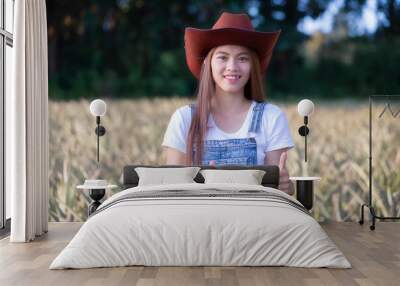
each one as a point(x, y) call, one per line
point(374, 255)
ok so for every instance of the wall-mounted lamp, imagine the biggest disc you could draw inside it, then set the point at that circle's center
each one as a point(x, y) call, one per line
point(305, 108)
point(98, 108)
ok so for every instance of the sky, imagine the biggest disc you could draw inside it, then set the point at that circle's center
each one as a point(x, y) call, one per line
point(363, 24)
point(366, 23)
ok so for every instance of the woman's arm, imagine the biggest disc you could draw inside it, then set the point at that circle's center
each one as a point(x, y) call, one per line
point(175, 137)
point(174, 157)
point(274, 158)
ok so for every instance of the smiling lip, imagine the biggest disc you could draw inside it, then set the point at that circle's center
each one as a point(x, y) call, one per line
point(232, 78)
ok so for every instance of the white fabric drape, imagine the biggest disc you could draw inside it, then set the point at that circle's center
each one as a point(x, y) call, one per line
point(27, 124)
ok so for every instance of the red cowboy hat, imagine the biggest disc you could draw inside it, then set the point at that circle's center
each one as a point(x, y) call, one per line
point(230, 29)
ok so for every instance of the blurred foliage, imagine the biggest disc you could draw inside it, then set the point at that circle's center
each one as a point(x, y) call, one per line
point(133, 48)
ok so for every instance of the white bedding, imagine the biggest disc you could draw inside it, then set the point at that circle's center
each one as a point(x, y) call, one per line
point(181, 231)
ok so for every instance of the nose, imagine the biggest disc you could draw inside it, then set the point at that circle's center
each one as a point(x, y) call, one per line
point(231, 65)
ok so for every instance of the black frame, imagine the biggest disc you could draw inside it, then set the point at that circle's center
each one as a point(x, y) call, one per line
point(374, 216)
point(6, 39)
point(130, 178)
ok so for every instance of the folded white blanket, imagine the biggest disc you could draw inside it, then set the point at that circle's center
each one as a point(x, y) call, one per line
point(201, 224)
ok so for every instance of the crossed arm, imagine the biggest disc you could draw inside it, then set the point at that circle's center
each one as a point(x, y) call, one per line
point(278, 157)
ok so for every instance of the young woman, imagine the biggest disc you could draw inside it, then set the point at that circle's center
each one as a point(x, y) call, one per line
point(230, 123)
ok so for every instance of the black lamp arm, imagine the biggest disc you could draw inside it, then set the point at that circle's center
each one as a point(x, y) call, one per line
point(100, 131)
point(303, 131)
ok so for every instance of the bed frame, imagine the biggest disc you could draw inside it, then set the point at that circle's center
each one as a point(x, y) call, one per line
point(130, 178)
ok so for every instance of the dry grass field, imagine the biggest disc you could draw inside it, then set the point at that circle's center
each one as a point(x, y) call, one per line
point(338, 153)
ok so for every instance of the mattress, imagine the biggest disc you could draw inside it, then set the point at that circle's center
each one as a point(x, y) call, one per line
point(201, 225)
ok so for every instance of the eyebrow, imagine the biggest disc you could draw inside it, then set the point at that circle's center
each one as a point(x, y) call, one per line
point(241, 53)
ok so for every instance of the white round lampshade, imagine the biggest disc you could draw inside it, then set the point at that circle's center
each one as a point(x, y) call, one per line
point(305, 107)
point(98, 107)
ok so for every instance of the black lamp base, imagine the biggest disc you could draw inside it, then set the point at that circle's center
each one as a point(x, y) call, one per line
point(305, 193)
point(96, 195)
point(374, 216)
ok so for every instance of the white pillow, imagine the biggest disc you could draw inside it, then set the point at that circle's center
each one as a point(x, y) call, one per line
point(162, 176)
point(249, 177)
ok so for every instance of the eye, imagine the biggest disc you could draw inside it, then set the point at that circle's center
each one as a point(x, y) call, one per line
point(243, 59)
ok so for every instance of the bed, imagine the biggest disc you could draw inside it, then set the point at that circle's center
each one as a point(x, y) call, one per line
point(201, 224)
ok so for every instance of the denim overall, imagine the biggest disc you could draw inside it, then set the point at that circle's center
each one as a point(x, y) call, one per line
point(240, 151)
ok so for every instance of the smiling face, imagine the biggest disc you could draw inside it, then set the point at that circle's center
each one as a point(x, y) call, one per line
point(231, 66)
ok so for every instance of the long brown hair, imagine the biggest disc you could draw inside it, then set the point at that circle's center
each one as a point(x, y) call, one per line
point(253, 90)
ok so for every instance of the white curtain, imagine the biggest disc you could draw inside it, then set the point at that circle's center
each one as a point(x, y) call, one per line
point(27, 158)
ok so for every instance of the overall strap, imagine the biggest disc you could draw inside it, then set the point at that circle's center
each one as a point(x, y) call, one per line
point(257, 117)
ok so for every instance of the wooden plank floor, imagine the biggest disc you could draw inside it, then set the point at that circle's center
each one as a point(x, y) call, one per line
point(374, 255)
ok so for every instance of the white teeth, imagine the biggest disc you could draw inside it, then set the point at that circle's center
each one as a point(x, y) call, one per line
point(231, 77)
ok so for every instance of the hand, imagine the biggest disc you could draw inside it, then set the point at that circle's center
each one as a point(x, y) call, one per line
point(285, 184)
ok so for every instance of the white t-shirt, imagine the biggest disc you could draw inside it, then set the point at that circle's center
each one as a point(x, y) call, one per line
point(274, 131)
